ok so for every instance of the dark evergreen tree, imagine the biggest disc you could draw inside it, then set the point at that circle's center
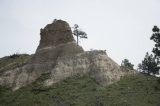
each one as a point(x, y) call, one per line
point(125, 63)
point(151, 62)
point(156, 50)
point(156, 38)
point(148, 65)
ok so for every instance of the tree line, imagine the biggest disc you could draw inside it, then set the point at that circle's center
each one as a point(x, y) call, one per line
point(151, 62)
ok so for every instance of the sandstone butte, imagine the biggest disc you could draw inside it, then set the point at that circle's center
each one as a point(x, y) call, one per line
point(59, 56)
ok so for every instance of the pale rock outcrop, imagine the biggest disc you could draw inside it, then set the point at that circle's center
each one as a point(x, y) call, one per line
point(58, 55)
point(95, 63)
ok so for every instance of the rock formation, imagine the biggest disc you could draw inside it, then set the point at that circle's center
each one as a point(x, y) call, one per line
point(58, 55)
point(56, 41)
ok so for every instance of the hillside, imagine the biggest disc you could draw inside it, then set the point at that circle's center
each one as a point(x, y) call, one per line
point(137, 90)
point(61, 73)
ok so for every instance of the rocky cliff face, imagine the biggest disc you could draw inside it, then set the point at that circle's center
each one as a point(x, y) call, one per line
point(56, 41)
point(58, 55)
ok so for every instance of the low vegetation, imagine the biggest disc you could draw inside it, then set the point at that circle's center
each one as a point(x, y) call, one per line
point(137, 90)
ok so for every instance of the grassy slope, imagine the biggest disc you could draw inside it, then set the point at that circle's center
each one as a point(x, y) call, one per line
point(138, 90)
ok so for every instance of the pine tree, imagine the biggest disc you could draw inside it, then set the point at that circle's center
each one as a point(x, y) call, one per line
point(148, 64)
point(79, 33)
point(125, 63)
point(156, 38)
point(156, 50)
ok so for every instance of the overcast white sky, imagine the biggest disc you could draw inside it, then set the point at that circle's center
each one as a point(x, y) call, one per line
point(121, 27)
